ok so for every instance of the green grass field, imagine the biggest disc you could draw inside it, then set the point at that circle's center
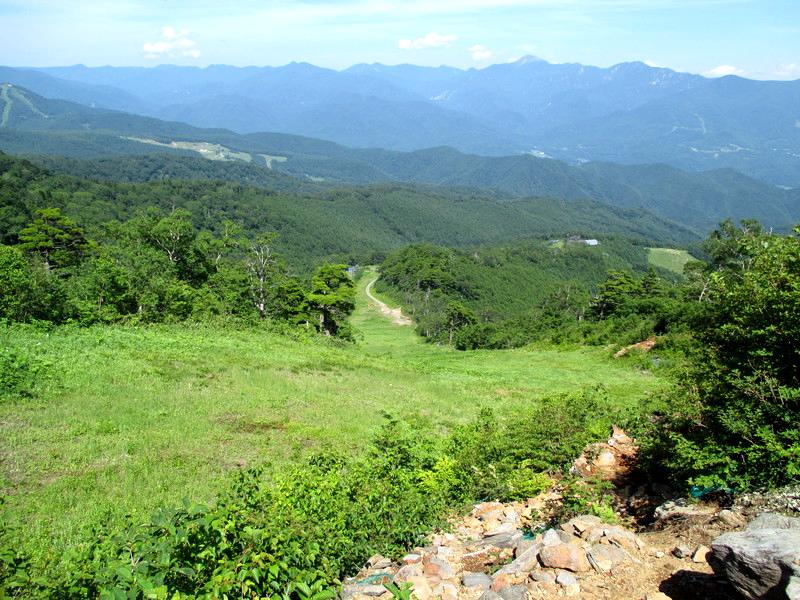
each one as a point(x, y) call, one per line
point(668, 258)
point(137, 417)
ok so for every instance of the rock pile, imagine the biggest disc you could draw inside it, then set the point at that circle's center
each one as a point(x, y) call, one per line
point(493, 555)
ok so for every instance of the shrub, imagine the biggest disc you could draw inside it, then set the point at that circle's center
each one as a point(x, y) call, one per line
point(737, 422)
point(22, 373)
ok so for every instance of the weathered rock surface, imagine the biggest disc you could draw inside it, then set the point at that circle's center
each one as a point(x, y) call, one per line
point(565, 556)
point(763, 561)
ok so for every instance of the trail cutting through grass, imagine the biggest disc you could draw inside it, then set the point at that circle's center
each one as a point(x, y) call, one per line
point(395, 314)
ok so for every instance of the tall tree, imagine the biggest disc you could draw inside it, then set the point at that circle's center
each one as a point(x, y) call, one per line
point(333, 297)
point(54, 237)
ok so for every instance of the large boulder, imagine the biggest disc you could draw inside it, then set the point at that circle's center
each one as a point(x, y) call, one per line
point(762, 562)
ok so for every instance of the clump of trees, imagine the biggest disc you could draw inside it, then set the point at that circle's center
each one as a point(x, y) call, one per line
point(158, 267)
point(734, 422)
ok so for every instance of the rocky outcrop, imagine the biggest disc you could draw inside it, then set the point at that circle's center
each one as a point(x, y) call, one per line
point(493, 555)
point(763, 561)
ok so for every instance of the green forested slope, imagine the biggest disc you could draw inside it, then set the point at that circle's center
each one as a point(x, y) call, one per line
point(352, 224)
point(697, 199)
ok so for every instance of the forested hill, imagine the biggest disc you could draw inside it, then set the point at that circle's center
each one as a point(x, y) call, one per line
point(36, 126)
point(628, 113)
point(350, 224)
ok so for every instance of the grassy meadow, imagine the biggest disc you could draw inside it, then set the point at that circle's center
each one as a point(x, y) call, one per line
point(668, 258)
point(134, 417)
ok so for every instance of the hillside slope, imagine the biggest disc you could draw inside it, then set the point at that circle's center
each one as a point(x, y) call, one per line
point(628, 113)
point(36, 125)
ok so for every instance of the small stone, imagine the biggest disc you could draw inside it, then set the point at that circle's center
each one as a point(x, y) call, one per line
point(605, 557)
point(490, 595)
point(372, 590)
point(543, 577)
point(614, 535)
point(524, 563)
point(422, 589)
point(514, 592)
point(500, 581)
point(565, 556)
point(564, 579)
point(551, 538)
point(503, 540)
point(410, 559)
point(445, 591)
point(408, 572)
point(477, 580)
point(731, 519)
point(681, 551)
point(438, 567)
point(501, 528)
point(581, 524)
point(659, 554)
point(376, 561)
point(700, 553)
point(565, 537)
point(523, 545)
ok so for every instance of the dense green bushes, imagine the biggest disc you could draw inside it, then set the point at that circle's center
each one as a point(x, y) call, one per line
point(159, 268)
point(735, 423)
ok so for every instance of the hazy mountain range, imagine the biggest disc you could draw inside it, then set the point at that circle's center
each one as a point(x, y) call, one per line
point(630, 113)
point(32, 125)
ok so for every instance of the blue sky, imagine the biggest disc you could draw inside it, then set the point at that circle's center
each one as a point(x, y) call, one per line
point(753, 38)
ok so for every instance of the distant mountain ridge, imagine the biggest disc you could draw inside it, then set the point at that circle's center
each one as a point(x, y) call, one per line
point(36, 125)
point(629, 113)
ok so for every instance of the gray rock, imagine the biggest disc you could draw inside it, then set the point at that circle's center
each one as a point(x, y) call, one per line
point(543, 577)
point(524, 563)
point(731, 518)
point(758, 563)
point(514, 592)
point(490, 595)
point(372, 590)
point(566, 537)
point(551, 538)
point(564, 579)
point(477, 580)
point(681, 551)
point(501, 540)
point(523, 545)
point(773, 521)
point(406, 572)
point(604, 557)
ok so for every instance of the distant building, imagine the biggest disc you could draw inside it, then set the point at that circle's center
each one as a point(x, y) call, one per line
point(591, 242)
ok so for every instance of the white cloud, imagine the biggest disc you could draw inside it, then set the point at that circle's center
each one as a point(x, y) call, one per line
point(790, 71)
point(723, 70)
point(480, 52)
point(173, 43)
point(431, 40)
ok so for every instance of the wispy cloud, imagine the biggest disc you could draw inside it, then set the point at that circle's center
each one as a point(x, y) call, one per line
point(788, 71)
point(172, 44)
point(480, 53)
point(431, 40)
point(723, 70)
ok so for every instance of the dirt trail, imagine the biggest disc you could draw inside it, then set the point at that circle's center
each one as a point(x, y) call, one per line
point(395, 314)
